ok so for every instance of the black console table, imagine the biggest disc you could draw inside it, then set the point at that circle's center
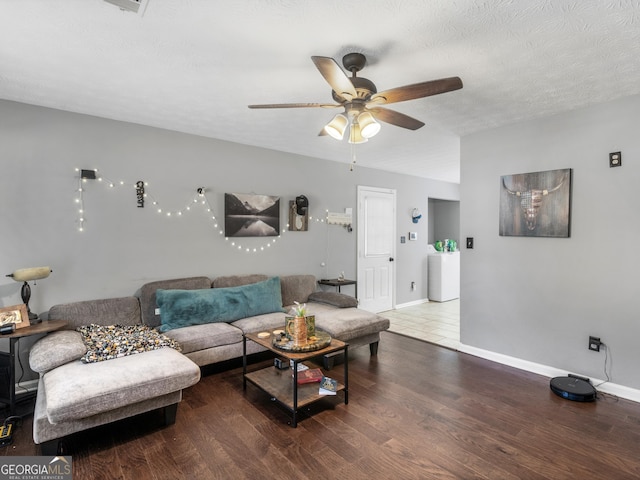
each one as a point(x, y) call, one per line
point(335, 282)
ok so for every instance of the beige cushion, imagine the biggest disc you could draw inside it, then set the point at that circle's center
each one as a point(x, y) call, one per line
point(238, 280)
point(346, 323)
point(80, 390)
point(55, 350)
point(259, 323)
point(209, 335)
point(109, 311)
point(336, 299)
point(297, 288)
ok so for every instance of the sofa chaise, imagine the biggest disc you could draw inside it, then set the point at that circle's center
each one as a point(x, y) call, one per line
point(206, 318)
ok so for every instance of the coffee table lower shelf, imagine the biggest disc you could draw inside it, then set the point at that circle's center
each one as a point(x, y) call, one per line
point(279, 385)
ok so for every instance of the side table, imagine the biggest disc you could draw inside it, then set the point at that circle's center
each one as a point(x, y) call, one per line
point(38, 328)
point(335, 282)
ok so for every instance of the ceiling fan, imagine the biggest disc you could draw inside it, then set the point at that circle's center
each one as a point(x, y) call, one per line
point(361, 100)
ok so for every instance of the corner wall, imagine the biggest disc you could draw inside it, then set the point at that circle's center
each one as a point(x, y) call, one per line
point(539, 299)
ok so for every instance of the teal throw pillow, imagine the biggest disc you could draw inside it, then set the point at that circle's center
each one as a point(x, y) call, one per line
point(182, 308)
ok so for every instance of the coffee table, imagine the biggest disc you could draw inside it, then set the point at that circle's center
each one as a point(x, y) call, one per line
point(281, 385)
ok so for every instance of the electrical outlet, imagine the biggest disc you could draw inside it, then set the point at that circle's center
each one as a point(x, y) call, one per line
point(615, 159)
point(594, 343)
point(413, 286)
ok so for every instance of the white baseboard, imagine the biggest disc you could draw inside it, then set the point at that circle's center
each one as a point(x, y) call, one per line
point(547, 371)
point(411, 304)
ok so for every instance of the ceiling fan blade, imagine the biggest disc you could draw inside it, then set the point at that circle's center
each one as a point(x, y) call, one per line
point(297, 105)
point(395, 118)
point(335, 77)
point(417, 90)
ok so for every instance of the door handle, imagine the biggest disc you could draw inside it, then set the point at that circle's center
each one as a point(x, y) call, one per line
point(391, 259)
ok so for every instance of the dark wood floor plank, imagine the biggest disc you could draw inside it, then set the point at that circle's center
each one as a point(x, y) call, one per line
point(209, 447)
point(133, 461)
point(105, 464)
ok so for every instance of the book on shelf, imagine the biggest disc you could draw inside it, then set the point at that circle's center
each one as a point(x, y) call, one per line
point(310, 375)
point(301, 367)
point(328, 386)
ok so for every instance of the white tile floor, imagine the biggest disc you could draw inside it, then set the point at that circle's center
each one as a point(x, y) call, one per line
point(435, 322)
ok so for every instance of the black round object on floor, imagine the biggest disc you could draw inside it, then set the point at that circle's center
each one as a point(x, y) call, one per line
point(573, 388)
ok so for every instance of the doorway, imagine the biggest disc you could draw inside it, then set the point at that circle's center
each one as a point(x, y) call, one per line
point(444, 223)
point(376, 248)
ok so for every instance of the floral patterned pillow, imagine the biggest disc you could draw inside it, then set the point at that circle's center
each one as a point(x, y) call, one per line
point(105, 342)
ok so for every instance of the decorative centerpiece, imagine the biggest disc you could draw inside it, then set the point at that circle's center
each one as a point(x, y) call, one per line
point(300, 334)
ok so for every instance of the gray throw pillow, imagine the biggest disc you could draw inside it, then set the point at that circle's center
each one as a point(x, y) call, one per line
point(56, 349)
point(336, 299)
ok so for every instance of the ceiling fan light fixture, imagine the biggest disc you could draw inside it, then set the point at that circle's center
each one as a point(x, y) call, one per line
point(360, 98)
point(368, 125)
point(337, 126)
point(355, 134)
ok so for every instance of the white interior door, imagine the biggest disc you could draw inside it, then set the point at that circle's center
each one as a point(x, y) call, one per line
point(376, 248)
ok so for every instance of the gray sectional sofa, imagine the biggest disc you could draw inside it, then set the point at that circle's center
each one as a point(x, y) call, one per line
point(74, 396)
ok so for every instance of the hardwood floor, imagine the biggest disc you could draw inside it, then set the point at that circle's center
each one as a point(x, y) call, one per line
point(416, 411)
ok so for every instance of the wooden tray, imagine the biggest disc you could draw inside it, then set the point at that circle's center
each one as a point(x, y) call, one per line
point(316, 342)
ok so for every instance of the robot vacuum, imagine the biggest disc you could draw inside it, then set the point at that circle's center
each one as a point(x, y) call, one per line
point(574, 388)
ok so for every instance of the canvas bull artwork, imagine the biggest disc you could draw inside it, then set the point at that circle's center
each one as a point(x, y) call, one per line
point(536, 204)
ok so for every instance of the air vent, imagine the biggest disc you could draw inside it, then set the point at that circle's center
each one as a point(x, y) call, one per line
point(126, 5)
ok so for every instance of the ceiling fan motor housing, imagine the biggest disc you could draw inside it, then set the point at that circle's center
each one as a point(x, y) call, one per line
point(364, 88)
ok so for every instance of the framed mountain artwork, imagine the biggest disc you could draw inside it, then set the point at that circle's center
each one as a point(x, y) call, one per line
point(251, 215)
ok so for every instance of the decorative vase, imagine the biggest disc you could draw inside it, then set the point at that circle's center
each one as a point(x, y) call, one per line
point(299, 331)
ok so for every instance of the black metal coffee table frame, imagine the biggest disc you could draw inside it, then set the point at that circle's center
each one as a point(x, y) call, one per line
point(282, 385)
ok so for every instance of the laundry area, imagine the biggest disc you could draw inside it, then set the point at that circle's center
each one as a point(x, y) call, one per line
point(443, 264)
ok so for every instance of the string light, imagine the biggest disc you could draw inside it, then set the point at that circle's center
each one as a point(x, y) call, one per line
point(200, 198)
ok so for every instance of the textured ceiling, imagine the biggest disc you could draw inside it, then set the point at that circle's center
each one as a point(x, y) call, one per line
point(194, 66)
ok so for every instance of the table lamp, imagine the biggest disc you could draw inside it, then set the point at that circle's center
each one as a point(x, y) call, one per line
point(27, 275)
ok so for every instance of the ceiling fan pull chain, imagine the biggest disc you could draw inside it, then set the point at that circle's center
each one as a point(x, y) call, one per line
point(353, 157)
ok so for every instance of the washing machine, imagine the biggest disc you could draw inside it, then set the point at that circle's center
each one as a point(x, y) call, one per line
point(443, 276)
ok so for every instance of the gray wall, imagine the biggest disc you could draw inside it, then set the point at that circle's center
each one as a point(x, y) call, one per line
point(539, 299)
point(123, 246)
